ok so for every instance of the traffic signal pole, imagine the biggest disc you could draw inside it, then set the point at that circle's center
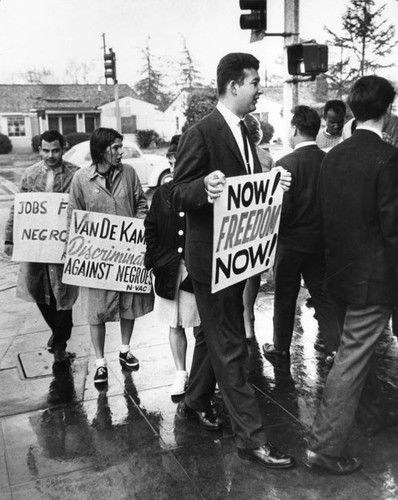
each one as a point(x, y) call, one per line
point(110, 73)
point(290, 89)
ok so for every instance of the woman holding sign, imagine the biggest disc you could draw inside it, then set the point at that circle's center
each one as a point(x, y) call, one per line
point(109, 187)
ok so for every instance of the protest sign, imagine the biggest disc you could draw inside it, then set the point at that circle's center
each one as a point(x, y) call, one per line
point(106, 251)
point(40, 227)
point(246, 223)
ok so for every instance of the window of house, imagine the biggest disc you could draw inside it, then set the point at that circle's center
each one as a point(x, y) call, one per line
point(177, 124)
point(129, 124)
point(16, 126)
point(65, 124)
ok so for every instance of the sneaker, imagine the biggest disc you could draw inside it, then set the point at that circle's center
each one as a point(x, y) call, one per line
point(128, 360)
point(101, 375)
point(180, 383)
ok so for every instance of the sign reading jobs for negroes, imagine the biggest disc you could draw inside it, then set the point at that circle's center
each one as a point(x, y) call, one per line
point(246, 223)
point(106, 251)
point(40, 227)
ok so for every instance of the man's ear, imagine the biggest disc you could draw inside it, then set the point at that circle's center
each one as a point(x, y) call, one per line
point(232, 86)
point(295, 131)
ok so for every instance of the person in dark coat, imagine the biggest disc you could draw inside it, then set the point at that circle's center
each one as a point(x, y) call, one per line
point(217, 147)
point(174, 305)
point(358, 191)
point(300, 251)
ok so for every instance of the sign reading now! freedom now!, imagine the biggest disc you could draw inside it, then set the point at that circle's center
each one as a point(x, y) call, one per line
point(106, 251)
point(40, 227)
point(246, 223)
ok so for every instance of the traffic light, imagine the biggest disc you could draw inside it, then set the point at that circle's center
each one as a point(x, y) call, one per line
point(110, 65)
point(307, 59)
point(257, 20)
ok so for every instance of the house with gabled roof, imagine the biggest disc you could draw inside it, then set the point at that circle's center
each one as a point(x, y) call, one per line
point(28, 110)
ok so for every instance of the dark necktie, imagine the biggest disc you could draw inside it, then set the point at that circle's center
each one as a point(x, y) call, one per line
point(243, 129)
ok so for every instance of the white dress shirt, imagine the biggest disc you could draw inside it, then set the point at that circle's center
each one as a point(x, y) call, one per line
point(233, 123)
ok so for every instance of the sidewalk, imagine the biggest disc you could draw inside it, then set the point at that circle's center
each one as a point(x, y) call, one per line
point(62, 439)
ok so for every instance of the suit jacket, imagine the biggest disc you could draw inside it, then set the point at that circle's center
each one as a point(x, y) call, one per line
point(358, 190)
point(300, 227)
point(207, 146)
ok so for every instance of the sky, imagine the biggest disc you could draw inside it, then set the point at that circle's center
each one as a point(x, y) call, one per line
point(54, 33)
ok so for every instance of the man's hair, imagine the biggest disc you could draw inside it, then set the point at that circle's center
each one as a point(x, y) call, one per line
point(254, 128)
point(307, 120)
point(231, 68)
point(335, 105)
point(51, 136)
point(370, 97)
point(100, 140)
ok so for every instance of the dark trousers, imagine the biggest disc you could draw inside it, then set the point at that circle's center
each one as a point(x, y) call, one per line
point(288, 269)
point(221, 355)
point(60, 323)
point(343, 394)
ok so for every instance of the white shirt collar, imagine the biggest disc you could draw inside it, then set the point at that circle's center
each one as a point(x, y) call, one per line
point(230, 117)
point(304, 144)
point(363, 126)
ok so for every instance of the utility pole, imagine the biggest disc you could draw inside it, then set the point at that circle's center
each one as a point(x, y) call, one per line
point(290, 89)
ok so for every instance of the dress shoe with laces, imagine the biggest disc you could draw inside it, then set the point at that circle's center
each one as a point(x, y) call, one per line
point(209, 419)
point(335, 465)
point(268, 456)
point(275, 357)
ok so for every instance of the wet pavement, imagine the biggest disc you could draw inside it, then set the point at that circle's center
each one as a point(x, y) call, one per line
point(61, 438)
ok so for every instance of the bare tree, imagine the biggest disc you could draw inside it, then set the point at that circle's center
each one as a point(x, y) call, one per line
point(35, 75)
point(79, 72)
point(366, 39)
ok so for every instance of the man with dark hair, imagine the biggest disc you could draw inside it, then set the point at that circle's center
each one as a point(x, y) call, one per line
point(300, 250)
point(208, 152)
point(358, 192)
point(42, 283)
point(334, 115)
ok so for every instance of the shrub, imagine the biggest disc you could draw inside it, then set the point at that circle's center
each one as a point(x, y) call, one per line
point(268, 131)
point(35, 143)
point(147, 138)
point(5, 144)
point(75, 138)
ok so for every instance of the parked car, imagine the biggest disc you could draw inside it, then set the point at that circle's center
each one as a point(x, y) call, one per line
point(152, 170)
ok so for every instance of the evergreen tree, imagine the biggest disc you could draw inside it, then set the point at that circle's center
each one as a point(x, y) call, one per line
point(149, 88)
point(190, 76)
point(200, 103)
point(365, 42)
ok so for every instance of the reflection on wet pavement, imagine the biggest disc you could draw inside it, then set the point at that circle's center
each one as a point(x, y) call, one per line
point(64, 439)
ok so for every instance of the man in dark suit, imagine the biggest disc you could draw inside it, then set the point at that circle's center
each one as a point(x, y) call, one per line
point(358, 191)
point(300, 250)
point(208, 152)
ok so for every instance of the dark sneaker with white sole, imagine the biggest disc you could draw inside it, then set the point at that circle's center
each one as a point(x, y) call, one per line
point(101, 375)
point(128, 360)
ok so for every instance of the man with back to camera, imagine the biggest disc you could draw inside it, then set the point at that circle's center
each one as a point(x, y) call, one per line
point(208, 152)
point(300, 250)
point(38, 282)
point(358, 190)
point(331, 135)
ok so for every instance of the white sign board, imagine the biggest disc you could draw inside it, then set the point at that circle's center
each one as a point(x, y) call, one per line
point(40, 227)
point(106, 251)
point(246, 223)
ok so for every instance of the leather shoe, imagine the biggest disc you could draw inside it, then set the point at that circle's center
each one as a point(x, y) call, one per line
point(209, 419)
point(335, 465)
point(275, 357)
point(268, 456)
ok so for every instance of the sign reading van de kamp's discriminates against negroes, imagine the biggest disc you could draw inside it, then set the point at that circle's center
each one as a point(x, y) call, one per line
point(106, 251)
point(40, 227)
point(246, 223)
